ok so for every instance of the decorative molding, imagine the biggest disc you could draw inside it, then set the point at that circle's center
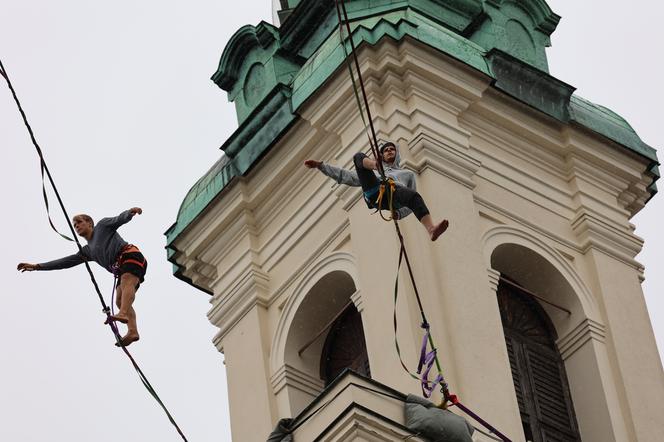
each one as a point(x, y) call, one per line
point(524, 138)
point(494, 279)
point(446, 159)
point(349, 196)
point(594, 232)
point(601, 168)
point(602, 177)
point(288, 376)
point(357, 300)
point(227, 310)
point(201, 273)
point(358, 423)
point(219, 226)
point(579, 336)
point(604, 167)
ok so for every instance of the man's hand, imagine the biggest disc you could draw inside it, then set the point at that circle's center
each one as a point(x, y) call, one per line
point(135, 211)
point(25, 267)
point(313, 164)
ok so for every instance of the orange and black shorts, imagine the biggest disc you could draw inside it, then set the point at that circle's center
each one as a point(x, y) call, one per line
point(131, 260)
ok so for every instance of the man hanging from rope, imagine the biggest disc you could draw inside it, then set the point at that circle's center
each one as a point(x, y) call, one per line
point(405, 195)
point(107, 248)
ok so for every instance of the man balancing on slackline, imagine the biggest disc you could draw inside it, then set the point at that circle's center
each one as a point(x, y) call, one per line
point(406, 199)
point(107, 248)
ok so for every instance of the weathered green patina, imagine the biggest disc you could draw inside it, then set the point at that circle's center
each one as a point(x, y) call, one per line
point(521, 29)
point(269, 72)
point(530, 85)
point(253, 65)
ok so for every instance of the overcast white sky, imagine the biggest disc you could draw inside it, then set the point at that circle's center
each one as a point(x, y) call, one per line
point(119, 96)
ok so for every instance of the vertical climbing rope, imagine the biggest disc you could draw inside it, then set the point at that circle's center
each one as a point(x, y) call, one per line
point(447, 396)
point(374, 146)
point(105, 308)
point(349, 64)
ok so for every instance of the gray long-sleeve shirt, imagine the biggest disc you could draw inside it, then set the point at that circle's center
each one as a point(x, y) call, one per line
point(103, 248)
point(401, 177)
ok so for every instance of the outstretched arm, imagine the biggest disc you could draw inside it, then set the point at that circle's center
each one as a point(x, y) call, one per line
point(341, 176)
point(122, 218)
point(57, 264)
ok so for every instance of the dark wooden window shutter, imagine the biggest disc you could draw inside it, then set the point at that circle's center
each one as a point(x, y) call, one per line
point(345, 347)
point(540, 382)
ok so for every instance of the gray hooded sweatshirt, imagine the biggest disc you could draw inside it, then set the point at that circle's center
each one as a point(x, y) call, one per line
point(401, 177)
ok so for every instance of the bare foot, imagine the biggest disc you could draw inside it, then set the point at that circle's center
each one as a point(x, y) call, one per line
point(438, 230)
point(127, 339)
point(117, 317)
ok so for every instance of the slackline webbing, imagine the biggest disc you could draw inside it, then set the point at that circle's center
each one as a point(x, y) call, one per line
point(105, 309)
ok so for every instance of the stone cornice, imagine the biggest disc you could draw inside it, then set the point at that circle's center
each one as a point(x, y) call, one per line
point(205, 246)
point(594, 166)
point(200, 274)
point(594, 232)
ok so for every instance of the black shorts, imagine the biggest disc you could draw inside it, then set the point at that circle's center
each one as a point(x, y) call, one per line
point(132, 261)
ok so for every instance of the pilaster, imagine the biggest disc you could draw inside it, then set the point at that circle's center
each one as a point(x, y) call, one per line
point(632, 351)
point(592, 382)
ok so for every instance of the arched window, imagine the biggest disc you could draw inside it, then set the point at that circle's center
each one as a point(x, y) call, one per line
point(345, 347)
point(546, 408)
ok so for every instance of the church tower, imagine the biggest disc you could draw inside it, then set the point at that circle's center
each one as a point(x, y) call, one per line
point(533, 294)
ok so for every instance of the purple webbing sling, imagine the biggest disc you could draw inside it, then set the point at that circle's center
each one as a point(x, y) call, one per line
point(426, 362)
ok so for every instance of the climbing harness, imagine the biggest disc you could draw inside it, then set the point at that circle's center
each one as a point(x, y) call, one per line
point(128, 250)
point(105, 308)
point(383, 187)
point(427, 358)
